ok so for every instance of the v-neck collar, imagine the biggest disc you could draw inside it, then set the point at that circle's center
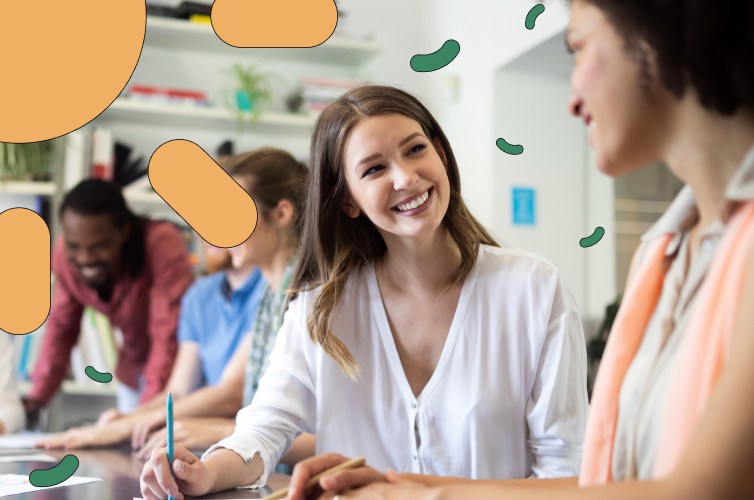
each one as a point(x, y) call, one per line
point(388, 342)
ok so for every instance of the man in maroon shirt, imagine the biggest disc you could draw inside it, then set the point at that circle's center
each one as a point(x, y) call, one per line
point(132, 270)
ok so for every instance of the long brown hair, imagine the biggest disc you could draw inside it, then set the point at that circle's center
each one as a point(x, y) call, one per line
point(334, 244)
point(271, 175)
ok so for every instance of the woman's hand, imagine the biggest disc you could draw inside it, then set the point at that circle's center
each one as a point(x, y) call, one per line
point(108, 416)
point(191, 433)
point(339, 481)
point(143, 429)
point(395, 489)
point(192, 476)
point(84, 437)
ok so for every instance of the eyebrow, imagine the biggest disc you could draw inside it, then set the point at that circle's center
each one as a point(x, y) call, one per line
point(377, 155)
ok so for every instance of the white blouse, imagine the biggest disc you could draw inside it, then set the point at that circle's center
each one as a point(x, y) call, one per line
point(11, 411)
point(506, 400)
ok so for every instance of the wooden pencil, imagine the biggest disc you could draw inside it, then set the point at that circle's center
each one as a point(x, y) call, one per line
point(312, 482)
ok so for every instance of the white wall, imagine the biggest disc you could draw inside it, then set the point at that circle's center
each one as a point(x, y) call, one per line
point(514, 84)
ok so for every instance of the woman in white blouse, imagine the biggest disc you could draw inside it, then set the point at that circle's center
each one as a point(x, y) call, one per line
point(414, 340)
point(12, 416)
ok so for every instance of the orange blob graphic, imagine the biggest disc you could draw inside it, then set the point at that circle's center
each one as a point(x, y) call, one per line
point(277, 23)
point(25, 270)
point(201, 192)
point(64, 63)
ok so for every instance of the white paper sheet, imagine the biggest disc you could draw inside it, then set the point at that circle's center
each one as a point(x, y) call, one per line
point(30, 457)
point(21, 440)
point(15, 484)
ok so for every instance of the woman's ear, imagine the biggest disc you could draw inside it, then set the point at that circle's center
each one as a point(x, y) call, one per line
point(284, 213)
point(349, 207)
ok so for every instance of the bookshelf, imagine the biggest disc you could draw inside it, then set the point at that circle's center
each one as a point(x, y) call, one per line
point(149, 113)
point(177, 34)
point(28, 187)
point(74, 388)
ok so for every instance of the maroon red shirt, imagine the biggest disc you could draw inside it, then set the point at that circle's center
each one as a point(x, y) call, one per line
point(145, 307)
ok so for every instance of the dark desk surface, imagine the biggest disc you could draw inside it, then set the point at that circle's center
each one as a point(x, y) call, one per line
point(119, 472)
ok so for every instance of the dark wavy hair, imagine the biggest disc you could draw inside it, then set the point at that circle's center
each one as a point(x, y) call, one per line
point(97, 197)
point(333, 244)
point(705, 45)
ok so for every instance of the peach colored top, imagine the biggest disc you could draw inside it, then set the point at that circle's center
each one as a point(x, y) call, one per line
point(672, 331)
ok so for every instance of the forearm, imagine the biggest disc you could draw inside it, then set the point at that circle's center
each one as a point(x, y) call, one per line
point(213, 401)
point(229, 470)
point(523, 483)
point(303, 447)
point(562, 489)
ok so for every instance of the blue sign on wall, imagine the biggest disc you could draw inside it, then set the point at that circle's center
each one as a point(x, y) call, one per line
point(524, 207)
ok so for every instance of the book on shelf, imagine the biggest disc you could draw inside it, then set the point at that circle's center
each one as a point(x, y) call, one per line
point(318, 92)
point(89, 152)
point(103, 153)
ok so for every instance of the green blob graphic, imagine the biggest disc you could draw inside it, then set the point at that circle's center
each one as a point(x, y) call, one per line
point(593, 238)
point(531, 17)
point(42, 478)
point(438, 59)
point(102, 378)
point(506, 147)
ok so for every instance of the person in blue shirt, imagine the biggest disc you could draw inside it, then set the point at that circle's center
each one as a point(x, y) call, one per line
point(217, 314)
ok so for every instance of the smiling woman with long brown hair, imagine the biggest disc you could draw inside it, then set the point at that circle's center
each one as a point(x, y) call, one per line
point(413, 339)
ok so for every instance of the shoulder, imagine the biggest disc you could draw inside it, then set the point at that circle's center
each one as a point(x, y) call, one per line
point(515, 264)
point(158, 233)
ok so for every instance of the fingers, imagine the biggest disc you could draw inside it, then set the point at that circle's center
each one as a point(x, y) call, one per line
point(157, 440)
point(308, 468)
point(142, 431)
point(156, 478)
point(351, 478)
point(108, 416)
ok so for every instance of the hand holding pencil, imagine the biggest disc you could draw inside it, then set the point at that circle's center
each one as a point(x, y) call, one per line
point(331, 472)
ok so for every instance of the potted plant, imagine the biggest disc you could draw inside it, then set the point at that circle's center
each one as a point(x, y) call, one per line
point(25, 162)
point(252, 91)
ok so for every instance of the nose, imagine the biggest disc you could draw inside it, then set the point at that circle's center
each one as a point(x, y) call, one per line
point(85, 258)
point(404, 176)
point(574, 105)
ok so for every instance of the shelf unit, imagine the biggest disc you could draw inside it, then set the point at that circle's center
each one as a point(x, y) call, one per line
point(177, 34)
point(28, 187)
point(149, 113)
point(146, 124)
point(74, 388)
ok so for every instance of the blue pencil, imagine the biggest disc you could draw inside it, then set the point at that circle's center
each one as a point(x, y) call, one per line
point(171, 450)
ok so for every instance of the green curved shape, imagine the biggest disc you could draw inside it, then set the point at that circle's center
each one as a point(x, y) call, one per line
point(440, 58)
point(102, 378)
point(506, 147)
point(531, 17)
point(593, 238)
point(43, 478)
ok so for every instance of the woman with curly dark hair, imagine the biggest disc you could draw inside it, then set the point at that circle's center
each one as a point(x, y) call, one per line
point(673, 405)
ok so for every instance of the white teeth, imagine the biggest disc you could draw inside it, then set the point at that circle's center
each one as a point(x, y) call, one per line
point(414, 203)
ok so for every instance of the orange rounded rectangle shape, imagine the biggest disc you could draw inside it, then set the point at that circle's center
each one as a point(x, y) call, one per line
point(25, 271)
point(278, 23)
point(69, 61)
point(202, 193)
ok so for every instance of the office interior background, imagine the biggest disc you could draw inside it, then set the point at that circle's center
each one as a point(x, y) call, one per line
point(507, 82)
